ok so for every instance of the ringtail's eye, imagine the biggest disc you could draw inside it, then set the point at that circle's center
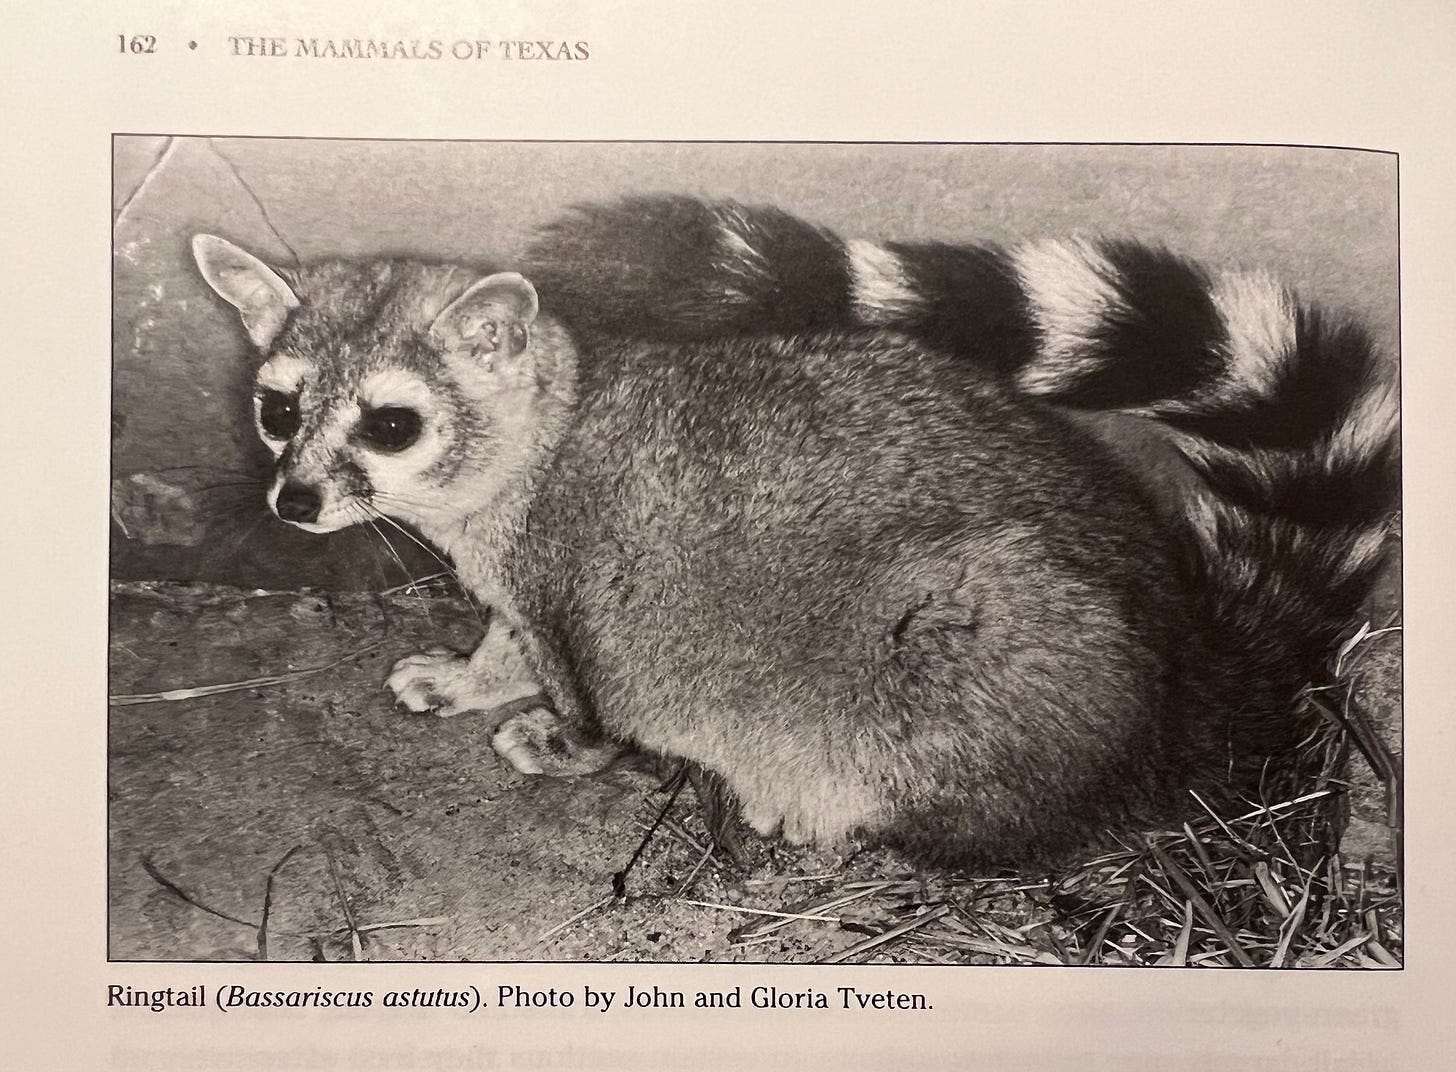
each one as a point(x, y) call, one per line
point(390, 428)
point(278, 414)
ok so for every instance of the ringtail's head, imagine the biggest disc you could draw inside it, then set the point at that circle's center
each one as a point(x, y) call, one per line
point(391, 387)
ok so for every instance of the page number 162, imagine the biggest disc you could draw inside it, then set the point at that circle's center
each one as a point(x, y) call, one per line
point(138, 43)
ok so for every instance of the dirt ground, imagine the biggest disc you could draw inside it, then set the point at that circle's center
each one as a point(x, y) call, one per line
point(414, 814)
point(411, 820)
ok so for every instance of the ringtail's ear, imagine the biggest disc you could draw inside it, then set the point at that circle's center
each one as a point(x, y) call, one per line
point(259, 294)
point(492, 318)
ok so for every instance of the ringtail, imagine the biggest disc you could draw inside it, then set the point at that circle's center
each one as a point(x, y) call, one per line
point(813, 515)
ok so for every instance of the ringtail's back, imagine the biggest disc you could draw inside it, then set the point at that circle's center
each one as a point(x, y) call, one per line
point(809, 514)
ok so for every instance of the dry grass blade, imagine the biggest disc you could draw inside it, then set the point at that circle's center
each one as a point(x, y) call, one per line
point(1364, 633)
point(619, 879)
point(888, 936)
point(1101, 934)
point(1201, 906)
point(356, 942)
point(263, 927)
point(268, 901)
point(421, 586)
point(1223, 824)
point(1265, 810)
point(1382, 955)
point(1290, 928)
point(675, 828)
point(546, 936)
point(783, 880)
point(1016, 952)
point(786, 916)
point(1382, 761)
point(1324, 960)
point(1200, 853)
point(808, 909)
point(128, 699)
point(703, 860)
point(1349, 646)
point(177, 891)
point(1273, 895)
point(1179, 957)
point(886, 881)
point(396, 924)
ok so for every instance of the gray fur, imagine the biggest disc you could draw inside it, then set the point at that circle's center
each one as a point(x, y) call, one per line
point(867, 584)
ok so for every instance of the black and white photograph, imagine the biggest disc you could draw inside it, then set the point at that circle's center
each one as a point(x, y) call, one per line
point(870, 553)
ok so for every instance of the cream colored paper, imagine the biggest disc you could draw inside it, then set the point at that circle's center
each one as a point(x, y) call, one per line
point(1353, 74)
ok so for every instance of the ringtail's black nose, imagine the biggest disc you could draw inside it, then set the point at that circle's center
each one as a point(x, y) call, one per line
point(298, 502)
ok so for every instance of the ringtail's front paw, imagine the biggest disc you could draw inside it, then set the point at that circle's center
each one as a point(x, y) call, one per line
point(449, 684)
point(538, 741)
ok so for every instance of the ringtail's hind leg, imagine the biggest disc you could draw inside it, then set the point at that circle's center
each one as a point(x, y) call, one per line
point(539, 741)
point(979, 719)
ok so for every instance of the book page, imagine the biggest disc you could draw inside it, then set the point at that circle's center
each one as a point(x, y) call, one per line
point(254, 843)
